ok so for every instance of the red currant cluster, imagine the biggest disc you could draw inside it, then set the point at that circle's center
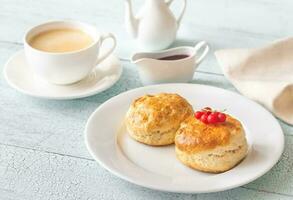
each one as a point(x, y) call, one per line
point(208, 116)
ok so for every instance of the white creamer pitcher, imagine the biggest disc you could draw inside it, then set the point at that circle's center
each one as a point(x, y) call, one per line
point(155, 26)
point(174, 65)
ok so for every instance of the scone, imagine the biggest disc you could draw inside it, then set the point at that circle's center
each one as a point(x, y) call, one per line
point(211, 148)
point(154, 119)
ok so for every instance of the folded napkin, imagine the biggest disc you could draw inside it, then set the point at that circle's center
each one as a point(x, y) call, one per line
point(263, 74)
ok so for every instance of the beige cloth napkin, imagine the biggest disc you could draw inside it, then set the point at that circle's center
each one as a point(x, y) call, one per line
point(263, 74)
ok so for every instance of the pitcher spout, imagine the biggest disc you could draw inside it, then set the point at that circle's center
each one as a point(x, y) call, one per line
point(131, 21)
point(138, 58)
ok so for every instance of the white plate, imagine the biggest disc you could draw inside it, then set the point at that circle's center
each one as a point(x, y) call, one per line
point(157, 167)
point(19, 76)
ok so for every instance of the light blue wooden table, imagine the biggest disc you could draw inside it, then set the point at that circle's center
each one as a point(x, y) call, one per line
point(42, 151)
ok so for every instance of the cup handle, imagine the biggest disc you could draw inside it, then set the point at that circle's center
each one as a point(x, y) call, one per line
point(104, 37)
point(201, 45)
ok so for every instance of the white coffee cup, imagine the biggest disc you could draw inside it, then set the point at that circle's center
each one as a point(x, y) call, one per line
point(68, 67)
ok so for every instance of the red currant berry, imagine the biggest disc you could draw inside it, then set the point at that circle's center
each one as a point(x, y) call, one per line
point(198, 114)
point(222, 117)
point(204, 118)
point(208, 112)
point(213, 118)
point(217, 113)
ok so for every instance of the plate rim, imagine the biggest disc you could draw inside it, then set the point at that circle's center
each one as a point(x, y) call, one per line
point(140, 183)
point(69, 97)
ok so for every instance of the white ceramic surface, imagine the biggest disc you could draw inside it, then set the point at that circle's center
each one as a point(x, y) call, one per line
point(20, 76)
point(154, 71)
point(157, 167)
point(68, 67)
point(155, 27)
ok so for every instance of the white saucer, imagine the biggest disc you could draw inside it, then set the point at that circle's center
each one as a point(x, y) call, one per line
point(19, 76)
point(157, 167)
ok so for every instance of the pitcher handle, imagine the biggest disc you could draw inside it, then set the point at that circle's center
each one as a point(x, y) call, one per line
point(104, 37)
point(201, 45)
point(169, 2)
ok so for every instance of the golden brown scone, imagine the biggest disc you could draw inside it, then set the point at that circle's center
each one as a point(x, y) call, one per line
point(211, 148)
point(154, 119)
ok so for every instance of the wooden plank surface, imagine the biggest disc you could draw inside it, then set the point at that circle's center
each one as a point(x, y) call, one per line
point(42, 151)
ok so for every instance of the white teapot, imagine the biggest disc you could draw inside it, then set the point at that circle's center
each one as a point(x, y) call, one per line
point(155, 26)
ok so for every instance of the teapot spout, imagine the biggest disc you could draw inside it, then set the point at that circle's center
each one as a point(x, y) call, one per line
point(131, 21)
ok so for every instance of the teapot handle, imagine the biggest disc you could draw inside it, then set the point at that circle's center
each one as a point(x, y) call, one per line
point(169, 2)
